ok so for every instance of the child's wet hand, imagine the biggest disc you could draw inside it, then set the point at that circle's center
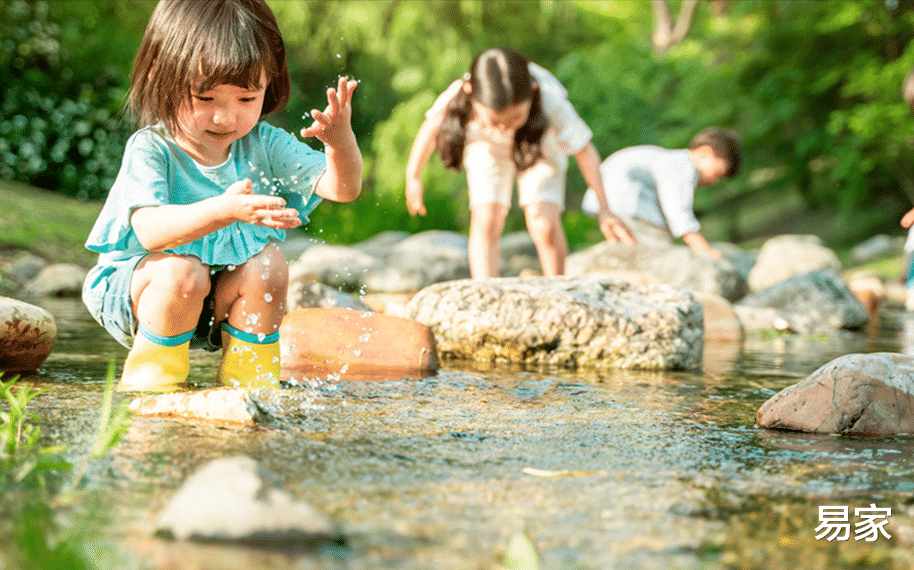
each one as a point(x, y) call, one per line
point(332, 126)
point(270, 211)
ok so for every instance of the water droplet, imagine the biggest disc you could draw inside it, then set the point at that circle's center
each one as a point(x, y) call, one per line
point(261, 336)
point(268, 298)
point(357, 352)
point(365, 337)
point(230, 267)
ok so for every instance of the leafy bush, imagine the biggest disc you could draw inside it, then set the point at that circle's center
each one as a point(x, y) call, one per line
point(59, 122)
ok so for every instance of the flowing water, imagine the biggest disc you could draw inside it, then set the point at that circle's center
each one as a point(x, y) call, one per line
point(601, 470)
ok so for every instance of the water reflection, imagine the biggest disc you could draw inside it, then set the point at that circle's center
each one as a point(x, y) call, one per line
point(642, 469)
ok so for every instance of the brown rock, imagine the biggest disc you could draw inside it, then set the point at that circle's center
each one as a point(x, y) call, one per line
point(27, 335)
point(343, 340)
point(856, 394)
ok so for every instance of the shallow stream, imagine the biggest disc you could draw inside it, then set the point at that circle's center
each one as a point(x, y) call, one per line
point(611, 470)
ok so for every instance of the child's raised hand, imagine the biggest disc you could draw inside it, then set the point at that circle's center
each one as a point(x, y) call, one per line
point(270, 211)
point(333, 125)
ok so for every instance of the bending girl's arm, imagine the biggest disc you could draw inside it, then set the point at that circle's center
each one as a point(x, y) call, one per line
point(612, 227)
point(423, 147)
point(163, 227)
point(342, 181)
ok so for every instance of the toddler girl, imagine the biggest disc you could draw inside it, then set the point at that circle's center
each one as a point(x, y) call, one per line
point(509, 118)
point(185, 236)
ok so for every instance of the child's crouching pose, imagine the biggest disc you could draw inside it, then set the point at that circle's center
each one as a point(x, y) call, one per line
point(186, 259)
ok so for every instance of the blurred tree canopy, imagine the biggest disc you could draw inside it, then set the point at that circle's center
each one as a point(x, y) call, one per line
point(813, 87)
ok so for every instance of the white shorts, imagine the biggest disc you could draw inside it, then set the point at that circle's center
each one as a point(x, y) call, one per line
point(491, 179)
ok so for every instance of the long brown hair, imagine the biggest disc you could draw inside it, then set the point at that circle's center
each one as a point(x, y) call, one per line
point(191, 46)
point(499, 78)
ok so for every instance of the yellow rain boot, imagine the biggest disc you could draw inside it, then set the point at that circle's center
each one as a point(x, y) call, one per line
point(249, 360)
point(156, 363)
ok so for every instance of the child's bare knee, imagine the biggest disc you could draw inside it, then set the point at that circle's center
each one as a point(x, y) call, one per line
point(186, 275)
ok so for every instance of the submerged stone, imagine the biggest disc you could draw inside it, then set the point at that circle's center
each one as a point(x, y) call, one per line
point(233, 405)
point(231, 499)
point(856, 394)
point(567, 321)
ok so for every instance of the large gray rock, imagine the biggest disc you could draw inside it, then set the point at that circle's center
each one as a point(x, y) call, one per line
point(817, 302)
point(674, 265)
point(339, 266)
point(856, 394)
point(786, 256)
point(389, 262)
point(232, 499)
point(567, 321)
point(305, 293)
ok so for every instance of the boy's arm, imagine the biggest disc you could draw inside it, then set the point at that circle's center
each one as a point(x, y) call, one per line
point(612, 227)
point(701, 246)
point(342, 181)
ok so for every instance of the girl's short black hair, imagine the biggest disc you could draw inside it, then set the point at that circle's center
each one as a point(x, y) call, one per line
point(499, 78)
point(191, 46)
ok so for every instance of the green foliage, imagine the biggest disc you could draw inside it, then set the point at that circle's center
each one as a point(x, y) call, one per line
point(21, 455)
point(813, 87)
point(59, 127)
point(43, 538)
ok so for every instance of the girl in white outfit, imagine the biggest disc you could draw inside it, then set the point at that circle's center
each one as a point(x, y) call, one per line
point(510, 119)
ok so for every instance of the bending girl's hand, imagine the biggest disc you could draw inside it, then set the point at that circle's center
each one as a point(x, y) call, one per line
point(414, 201)
point(269, 211)
point(615, 229)
point(333, 126)
point(908, 219)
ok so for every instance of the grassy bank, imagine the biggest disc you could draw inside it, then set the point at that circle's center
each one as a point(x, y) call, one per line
point(45, 223)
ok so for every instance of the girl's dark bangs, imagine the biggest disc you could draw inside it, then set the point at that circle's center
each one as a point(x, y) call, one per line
point(233, 62)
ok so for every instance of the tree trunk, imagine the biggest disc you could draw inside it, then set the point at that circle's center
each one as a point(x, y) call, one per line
point(667, 33)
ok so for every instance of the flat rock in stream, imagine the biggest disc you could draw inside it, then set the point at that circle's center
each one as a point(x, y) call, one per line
point(233, 499)
point(233, 405)
point(856, 394)
point(568, 321)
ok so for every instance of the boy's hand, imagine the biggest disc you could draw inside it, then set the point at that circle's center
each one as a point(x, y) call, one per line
point(333, 125)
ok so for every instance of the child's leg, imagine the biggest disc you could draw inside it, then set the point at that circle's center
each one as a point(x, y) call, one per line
point(251, 301)
point(544, 222)
point(167, 293)
point(487, 221)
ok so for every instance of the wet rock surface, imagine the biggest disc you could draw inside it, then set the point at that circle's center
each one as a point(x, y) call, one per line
point(672, 264)
point(814, 302)
point(567, 321)
point(857, 394)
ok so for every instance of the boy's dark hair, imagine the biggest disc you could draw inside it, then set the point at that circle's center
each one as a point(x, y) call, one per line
point(499, 78)
point(907, 89)
point(191, 46)
point(724, 143)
